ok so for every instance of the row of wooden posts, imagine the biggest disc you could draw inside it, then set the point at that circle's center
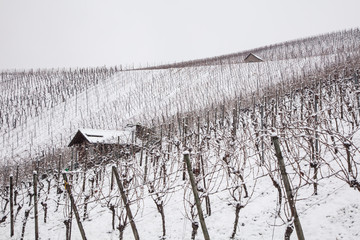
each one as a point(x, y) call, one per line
point(115, 173)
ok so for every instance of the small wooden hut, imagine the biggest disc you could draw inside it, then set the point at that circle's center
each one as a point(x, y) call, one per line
point(252, 58)
point(99, 143)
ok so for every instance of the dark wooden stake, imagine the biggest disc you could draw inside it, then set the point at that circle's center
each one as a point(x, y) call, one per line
point(17, 175)
point(146, 167)
point(11, 207)
point(262, 159)
point(36, 206)
point(126, 203)
point(316, 165)
point(73, 206)
point(348, 156)
point(357, 93)
point(289, 194)
point(196, 196)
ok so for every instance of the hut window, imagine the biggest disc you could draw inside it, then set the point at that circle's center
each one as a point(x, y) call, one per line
point(89, 135)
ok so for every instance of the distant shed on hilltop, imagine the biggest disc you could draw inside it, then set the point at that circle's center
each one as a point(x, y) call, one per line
point(100, 142)
point(252, 58)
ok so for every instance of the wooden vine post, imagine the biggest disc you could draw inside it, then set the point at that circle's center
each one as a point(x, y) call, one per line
point(69, 220)
point(356, 79)
point(11, 207)
point(289, 194)
point(196, 196)
point(73, 206)
point(17, 175)
point(126, 203)
point(316, 155)
point(36, 206)
point(262, 158)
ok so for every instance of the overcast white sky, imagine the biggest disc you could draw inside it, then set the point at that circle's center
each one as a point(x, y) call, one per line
point(85, 33)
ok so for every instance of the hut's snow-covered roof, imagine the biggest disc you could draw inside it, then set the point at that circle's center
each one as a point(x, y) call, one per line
point(251, 57)
point(93, 136)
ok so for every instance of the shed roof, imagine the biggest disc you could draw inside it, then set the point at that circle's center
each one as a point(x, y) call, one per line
point(93, 136)
point(252, 57)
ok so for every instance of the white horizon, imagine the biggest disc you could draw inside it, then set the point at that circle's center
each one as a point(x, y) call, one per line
point(44, 34)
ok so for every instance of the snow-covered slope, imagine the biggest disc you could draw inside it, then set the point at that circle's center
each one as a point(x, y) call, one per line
point(225, 115)
point(140, 96)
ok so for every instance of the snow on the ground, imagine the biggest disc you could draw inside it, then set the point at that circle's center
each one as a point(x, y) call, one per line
point(333, 214)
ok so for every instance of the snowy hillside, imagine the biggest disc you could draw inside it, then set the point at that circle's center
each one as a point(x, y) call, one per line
point(226, 114)
point(129, 97)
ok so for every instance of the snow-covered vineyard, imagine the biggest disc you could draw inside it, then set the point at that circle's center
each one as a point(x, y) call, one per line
point(223, 113)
